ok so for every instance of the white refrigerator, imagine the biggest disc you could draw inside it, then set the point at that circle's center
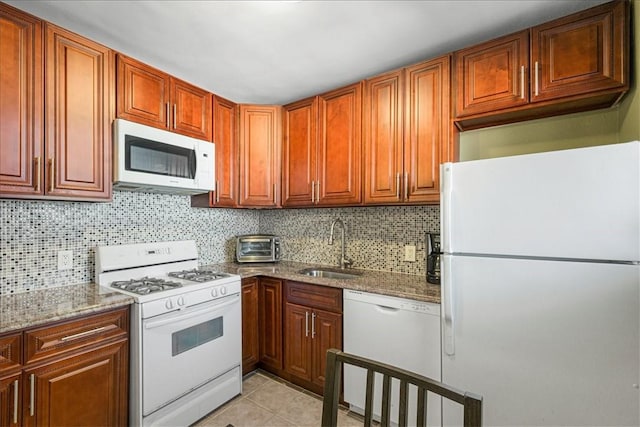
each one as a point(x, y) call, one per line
point(541, 286)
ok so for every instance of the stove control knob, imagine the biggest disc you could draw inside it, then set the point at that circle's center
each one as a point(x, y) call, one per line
point(168, 304)
point(181, 301)
point(223, 290)
point(214, 292)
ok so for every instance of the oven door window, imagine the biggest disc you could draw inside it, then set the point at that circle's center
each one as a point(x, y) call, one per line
point(143, 155)
point(196, 335)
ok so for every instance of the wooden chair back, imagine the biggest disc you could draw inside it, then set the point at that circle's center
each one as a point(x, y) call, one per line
point(472, 403)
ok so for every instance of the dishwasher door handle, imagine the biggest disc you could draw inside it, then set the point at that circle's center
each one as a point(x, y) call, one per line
point(386, 309)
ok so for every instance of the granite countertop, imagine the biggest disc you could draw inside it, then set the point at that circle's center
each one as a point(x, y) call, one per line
point(378, 282)
point(28, 309)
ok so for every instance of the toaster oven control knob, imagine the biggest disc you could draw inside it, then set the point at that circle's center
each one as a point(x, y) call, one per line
point(168, 304)
point(214, 292)
point(223, 290)
point(181, 301)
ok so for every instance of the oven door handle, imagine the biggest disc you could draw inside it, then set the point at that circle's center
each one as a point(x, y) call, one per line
point(154, 324)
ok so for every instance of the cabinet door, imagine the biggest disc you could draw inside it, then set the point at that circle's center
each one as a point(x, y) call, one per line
point(225, 137)
point(191, 113)
point(270, 323)
point(259, 155)
point(339, 151)
point(298, 342)
point(21, 85)
point(383, 145)
point(493, 75)
point(299, 153)
point(250, 341)
point(78, 116)
point(86, 389)
point(11, 400)
point(143, 93)
point(427, 124)
point(326, 334)
point(581, 53)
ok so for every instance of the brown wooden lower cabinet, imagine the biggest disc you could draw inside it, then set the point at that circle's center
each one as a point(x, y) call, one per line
point(74, 372)
point(312, 325)
point(296, 324)
point(10, 402)
point(270, 324)
point(86, 389)
point(250, 339)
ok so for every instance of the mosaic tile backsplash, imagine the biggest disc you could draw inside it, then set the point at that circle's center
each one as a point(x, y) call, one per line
point(32, 233)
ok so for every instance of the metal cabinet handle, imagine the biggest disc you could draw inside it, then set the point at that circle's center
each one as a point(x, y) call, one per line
point(398, 186)
point(536, 78)
point(318, 192)
point(313, 192)
point(15, 402)
point(217, 191)
point(32, 394)
point(174, 116)
point(522, 82)
point(83, 334)
point(36, 174)
point(167, 114)
point(275, 195)
point(306, 323)
point(406, 186)
point(52, 174)
point(313, 325)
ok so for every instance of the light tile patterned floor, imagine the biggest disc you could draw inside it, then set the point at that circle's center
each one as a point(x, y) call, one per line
point(267, 401)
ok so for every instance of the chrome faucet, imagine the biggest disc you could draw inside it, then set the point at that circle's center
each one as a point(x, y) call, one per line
point(344, 262)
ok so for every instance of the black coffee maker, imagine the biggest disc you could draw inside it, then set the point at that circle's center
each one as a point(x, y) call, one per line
point(433, 259)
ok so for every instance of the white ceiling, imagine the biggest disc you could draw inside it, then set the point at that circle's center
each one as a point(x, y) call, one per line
point(275, 52)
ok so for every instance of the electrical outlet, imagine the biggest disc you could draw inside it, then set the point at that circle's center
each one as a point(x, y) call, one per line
point(410, 253)
point(65, 260)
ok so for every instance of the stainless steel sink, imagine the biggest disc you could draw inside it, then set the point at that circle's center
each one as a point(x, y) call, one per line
point(327, 273)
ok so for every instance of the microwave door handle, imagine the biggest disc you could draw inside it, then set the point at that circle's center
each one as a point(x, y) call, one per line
point(192, 161)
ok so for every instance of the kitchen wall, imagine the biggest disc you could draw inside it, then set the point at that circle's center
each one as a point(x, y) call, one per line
point(375, 236)
point(33, 232)
point(617, 124)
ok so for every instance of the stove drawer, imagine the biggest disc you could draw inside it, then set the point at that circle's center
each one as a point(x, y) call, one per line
point(67, 337)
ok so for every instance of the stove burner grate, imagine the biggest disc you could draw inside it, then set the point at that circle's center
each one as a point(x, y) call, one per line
point(196, 275)
point(145, 285)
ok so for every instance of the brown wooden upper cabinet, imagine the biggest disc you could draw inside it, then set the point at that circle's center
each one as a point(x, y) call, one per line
point(70, 79)
point(259, 147)
point(322, 149)
point(149, 96)
point(406, 133)
point(576, 63)
point(225, 137)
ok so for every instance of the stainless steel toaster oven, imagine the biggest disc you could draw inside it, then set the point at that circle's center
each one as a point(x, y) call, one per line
point(258, 248)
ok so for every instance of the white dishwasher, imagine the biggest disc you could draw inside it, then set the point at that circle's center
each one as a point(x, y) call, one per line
point(397, 331)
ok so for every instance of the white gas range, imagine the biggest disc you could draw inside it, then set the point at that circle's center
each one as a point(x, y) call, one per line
point(185, 330)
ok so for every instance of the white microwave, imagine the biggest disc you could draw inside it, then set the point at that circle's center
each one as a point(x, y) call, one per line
point(154, 160)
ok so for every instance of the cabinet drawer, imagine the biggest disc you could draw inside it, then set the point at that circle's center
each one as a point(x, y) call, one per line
point(10, 351)
point(322, 297)
point(74, 335)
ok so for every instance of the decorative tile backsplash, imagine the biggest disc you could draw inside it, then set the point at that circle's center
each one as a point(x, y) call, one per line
point(32, 233)
point(375, 236)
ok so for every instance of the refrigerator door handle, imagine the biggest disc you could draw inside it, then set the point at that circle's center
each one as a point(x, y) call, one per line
point(448, 324)
point(445, 207)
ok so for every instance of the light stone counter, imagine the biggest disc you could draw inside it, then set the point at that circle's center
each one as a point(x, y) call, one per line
point(378, 282)
point(28, 309)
